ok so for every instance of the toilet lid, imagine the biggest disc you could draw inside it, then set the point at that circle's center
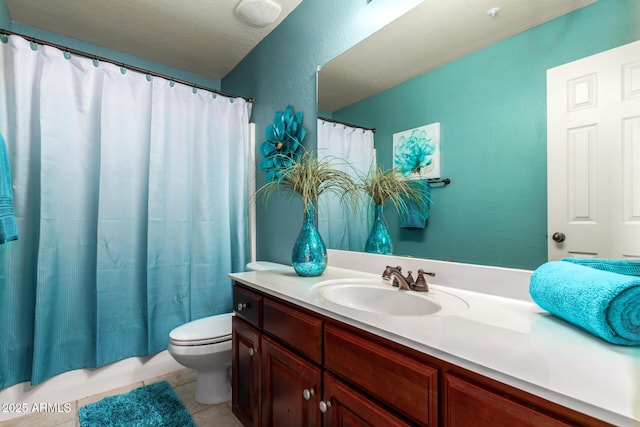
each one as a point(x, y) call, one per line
point(207, 330)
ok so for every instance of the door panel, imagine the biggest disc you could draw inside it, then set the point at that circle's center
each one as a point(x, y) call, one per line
point(593, 155)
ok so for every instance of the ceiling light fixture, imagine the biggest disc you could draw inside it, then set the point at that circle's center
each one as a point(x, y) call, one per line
point(493, 12)
point(259, 13)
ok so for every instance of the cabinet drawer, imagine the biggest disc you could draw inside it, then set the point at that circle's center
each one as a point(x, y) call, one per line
point(248, 305)
point(298, 330)
point(467, 404)
point(409, 386)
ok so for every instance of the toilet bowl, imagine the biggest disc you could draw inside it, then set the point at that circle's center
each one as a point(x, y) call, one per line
point(204, 345)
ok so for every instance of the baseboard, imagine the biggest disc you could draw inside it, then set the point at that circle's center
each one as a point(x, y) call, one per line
point(78, 384)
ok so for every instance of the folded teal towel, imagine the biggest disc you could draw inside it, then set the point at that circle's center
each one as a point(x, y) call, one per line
point(416, 214)
point(8, 227)
point(621, 266)
point(605, 304)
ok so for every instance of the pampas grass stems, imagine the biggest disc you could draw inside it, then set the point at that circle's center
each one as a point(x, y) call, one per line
point(384, 186)
point(309, 178)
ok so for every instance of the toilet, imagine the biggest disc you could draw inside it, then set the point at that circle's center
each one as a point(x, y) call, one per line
point(204, 345)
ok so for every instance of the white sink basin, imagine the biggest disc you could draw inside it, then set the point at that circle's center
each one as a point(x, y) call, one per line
point(374, 296)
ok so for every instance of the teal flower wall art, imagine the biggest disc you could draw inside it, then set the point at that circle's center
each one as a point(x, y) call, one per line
point(416, 152)
point(284, 143)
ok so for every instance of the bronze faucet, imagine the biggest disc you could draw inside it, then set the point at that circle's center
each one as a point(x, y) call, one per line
point(407, 283)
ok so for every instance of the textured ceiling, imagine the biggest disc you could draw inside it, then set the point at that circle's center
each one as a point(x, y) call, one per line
point(432, 34)
point(200, 36)
point(207, 38)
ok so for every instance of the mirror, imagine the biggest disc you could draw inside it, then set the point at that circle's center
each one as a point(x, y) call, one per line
point(483, 78)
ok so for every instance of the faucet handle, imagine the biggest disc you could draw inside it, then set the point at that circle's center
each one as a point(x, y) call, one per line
point(421, 283)
point(410, 280)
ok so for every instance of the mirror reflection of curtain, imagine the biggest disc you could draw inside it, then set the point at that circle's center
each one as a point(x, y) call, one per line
point(131, 200)
point(350, 149)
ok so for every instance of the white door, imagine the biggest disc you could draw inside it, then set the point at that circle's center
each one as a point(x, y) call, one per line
point(593, 156)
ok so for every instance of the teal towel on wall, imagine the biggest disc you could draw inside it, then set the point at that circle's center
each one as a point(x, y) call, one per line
point(604, 303)
point(417, 214)
point(8, 227)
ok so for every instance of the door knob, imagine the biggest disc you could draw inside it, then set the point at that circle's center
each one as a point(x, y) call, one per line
point(558, 237)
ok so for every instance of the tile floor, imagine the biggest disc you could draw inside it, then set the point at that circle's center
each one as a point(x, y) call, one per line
point(183, 383)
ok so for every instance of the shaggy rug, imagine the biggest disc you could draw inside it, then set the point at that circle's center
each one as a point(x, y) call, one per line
point(152, 405)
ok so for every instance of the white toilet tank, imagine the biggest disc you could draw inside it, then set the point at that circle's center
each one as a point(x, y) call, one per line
point(264, 265)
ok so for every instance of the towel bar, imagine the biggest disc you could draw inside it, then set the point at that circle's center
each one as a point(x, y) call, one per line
point(445, 181)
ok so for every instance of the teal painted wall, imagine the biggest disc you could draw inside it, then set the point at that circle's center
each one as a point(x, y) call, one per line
point(281, 71)
point(492, 110)
point(7, 24)
point(5, 18)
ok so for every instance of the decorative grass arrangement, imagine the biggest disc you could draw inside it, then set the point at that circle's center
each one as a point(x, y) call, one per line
point(309, 177)
point(391, 186)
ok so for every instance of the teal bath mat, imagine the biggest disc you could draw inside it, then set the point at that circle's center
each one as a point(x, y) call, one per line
point(153, 405)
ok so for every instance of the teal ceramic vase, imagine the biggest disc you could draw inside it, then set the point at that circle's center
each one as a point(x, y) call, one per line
point(309, 256)
point(379, 240)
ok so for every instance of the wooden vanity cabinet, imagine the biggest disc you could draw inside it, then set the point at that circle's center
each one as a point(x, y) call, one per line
point(278, 375)
point(294, 367)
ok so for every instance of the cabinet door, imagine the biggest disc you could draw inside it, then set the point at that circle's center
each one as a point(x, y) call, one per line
point(246, 364)
point(345, 407)
point(290, 388)
point(468, 405)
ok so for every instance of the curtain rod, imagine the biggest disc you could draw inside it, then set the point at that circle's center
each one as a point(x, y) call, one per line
point(346, 124)
point(121, 64)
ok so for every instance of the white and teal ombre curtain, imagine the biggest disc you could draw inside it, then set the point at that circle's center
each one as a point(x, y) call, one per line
point(351, 150)
point(131, 198)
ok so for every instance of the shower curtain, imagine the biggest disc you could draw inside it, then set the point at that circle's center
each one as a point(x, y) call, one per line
point(131, 199)
point(349, 149)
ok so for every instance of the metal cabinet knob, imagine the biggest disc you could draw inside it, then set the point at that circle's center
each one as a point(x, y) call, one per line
point(324, 406)
point(252, 351)
point(241, 306)
point(308, 393)
point(558, 237)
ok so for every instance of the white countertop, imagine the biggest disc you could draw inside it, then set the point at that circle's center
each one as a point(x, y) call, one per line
point(510, 340)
